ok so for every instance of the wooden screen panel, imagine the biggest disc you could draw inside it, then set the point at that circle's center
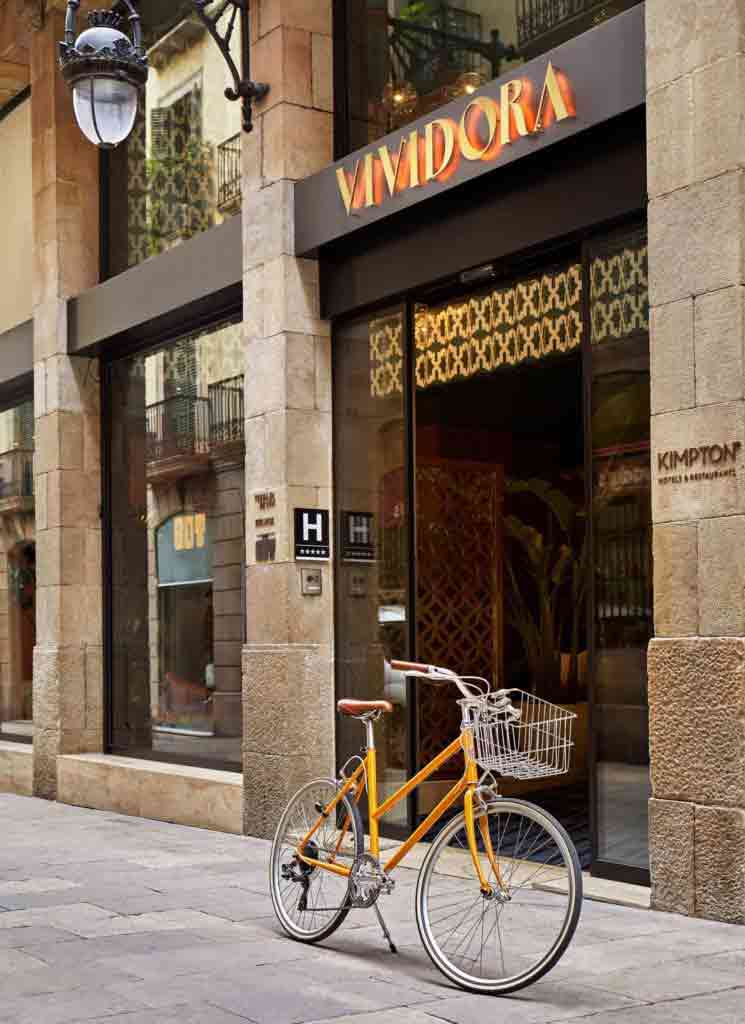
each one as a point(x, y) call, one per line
point(459, 588)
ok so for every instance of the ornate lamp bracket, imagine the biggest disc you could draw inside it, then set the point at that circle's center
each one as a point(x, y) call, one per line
point(236, 10)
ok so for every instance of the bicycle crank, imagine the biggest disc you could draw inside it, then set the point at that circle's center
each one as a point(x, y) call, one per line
point(367, 881)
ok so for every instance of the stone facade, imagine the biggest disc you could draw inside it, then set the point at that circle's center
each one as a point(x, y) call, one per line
point(695, 54)
point(288, 685)
point(68, 686)
point(696, 260)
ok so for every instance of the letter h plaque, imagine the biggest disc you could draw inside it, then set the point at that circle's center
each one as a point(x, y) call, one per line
point(312, 542)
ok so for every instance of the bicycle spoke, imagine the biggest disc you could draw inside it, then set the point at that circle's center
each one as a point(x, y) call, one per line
point(311, 899)
point(496, 942)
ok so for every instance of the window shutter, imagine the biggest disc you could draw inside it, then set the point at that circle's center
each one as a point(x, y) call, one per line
point(160, 132)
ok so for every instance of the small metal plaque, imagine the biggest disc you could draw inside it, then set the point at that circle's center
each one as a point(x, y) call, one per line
point(311, 581)
point(357, 537)
point(358, 583)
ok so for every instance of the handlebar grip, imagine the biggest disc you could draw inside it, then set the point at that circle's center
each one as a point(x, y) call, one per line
point(409, 666)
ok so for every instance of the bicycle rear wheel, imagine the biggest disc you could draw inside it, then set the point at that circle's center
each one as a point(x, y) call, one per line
point(503, 944)
point(311, 903)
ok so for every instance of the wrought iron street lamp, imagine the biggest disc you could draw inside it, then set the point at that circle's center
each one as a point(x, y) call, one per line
point(107, 69)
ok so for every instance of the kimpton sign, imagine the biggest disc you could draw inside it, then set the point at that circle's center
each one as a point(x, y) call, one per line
point(433, 153)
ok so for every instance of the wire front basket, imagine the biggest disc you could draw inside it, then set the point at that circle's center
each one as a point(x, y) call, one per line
point(528, 739)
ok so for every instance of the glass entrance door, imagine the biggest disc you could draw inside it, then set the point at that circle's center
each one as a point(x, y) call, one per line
point(500, 511)
point(618, 383)
point(493, 512)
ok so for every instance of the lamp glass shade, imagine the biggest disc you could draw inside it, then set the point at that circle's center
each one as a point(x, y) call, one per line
point(105, 109)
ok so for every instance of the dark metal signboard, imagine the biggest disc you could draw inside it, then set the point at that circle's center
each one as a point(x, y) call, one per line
point(357, 537)
point(586, 81)
point(312, 534)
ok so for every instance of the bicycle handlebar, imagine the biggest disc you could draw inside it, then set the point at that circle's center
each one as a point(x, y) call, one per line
point(435, 672)
point(410, 666)
point(470, 687)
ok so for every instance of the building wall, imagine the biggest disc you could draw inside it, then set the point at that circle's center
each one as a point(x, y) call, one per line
point(697, 272)
point(696, 263)
point(15, 217)
point(198, 65)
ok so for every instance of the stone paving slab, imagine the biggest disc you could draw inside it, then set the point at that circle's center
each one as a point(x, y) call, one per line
point(115, 920)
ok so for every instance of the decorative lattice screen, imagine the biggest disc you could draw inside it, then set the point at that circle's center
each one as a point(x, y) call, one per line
point(530, 319)
point(619, 292)
point(459, 603)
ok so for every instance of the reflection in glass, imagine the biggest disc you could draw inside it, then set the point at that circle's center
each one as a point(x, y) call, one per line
point(180, 171)
point(177, 535)
point(372, 551)
point(17, 571)
point(406, 58)
point(622, 556)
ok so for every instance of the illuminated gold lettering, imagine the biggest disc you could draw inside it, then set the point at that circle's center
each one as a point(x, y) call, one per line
point(390, 171)
point(470, 145)
point(445, 148)
point(510, 94)
point(413, 159)
point(369, 187)
point(200, 529)
point(347, 192)
point(552, 91)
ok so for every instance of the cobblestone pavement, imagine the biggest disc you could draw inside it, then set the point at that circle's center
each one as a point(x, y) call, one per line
point(105, 918)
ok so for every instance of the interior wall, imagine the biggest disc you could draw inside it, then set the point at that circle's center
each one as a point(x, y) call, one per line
point(15, 217)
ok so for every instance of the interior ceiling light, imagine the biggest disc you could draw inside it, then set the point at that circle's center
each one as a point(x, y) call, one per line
point(400, 97)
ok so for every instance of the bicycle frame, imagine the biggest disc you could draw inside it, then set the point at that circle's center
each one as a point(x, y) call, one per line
point(365, 777)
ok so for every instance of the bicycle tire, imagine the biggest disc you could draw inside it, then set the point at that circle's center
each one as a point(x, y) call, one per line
point(306, 929)
point(520, 810)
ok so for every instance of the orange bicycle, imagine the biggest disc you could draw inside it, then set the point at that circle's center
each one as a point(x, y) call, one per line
point(499, 892)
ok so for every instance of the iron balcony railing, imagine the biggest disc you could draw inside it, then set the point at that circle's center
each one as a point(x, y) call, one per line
point(177, 426)
point(537, 20)
point(226, 411)
point(229, 172)
point(17, 474)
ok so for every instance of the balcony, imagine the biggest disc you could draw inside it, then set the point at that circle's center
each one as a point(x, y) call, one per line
point(16, 481)
point(229, 175)
point(543, 24)
point(226, 419)
point(177, 438)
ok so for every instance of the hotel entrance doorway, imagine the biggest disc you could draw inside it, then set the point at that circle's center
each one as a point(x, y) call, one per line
point(497, 439)
point(501, 537)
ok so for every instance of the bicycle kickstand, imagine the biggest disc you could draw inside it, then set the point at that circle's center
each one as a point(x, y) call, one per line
point(383, 925)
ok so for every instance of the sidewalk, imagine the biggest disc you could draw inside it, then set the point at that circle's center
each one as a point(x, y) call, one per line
point(116, 920)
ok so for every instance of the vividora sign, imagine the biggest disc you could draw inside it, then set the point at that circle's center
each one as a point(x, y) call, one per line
point(583, 83)
point(433, 154)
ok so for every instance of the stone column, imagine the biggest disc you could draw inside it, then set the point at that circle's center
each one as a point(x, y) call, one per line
point(288, 685)
point(227, 583)
point(695, 107)
point(68, 714)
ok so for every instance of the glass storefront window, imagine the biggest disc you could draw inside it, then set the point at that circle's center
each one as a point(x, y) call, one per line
point(177, 549)
point(17, 571)
point(405, 58)
point(179, 173)
point(622, 533)
point(530, 422)
point(372, 570)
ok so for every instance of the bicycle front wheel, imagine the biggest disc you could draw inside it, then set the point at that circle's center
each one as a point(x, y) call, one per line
point(504, 943)
point(311, 902)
